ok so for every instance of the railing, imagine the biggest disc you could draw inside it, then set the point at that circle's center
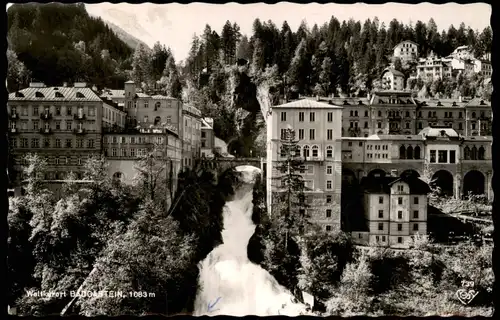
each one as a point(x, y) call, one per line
point(45, 116)
point(14, 115)
point(79, 117)
point(45, 130)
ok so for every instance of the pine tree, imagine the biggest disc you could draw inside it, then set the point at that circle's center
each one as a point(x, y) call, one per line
point(243, 50)
point(141, 65)
point(291, 196)
point(170, 79)
point(296, 74)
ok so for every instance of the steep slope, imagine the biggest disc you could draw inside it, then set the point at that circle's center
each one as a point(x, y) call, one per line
point(126, 37)
point(65, 40)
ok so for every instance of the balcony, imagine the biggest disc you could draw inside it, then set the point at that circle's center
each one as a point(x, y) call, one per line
point(394, 117)
point(79, 117)
point(14, 116)
point(46, 116)
point(13, 130)
point(46, 130)
point(79, 131)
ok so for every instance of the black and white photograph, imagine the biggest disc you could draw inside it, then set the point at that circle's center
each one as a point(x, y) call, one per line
point(249, 159)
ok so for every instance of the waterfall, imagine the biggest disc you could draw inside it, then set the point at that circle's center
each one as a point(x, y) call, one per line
point(230, 284)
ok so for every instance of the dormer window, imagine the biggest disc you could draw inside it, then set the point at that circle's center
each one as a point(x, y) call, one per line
point(38, 94)
point(482, 103)
point(59, 95)
point(439, 104)
point(19, 94)
point(443, 132)
point(80, 95)
point(454, 104)
point(345, 103)
point(360, 102)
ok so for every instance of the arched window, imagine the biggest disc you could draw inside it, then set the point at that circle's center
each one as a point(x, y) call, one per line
point(409, 153)
point(306, 151)
point(416, 153)
point(480, 154)
point(380, 113)
point(329, 152)
point(473, 153)
point(402, 152)
point(466, 153)
point(157, 106)
point(315, 151)
point(430, 114)
point(473, 115)
point(157, 121)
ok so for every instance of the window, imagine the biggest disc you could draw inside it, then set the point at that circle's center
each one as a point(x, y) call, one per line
point(301, 116)
point(400, 200)
point(415, 200)
point(380, 114)
point(329, 134)
point(146, 118)
point(381, 226)
point(328, 213)
point(329, 152)
point(415, 214)
point(312, 117)
point(328, 228)
point(283, 116)
point(401, 188)
point(315, 151)
point(400, 239)
point(379, 125)
point(68, 125)
point(329, 170)
point(383, 238)
point(328, 199)
point(330, 116)
point(400, 227)
point(377, 238)
point(68, 143)
point(132, 152)
point(400, 214)
point(169, 119)
point(311, 134)
point(90, 143)
point(380, 200)
point(58, 111)
point(442, 156)
point(329, 185)
point(460, 115)
point(381, 213)
point(306, 151)
point(301, 134)
point(35, 125)
point(415, 227)
point(433, 156)
point(452, 156)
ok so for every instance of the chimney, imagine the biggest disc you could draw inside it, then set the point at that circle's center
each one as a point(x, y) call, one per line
point(459, 98)
point(94, 88)
point(80, 85)
point(394, 173)
point(37, 85)
point(317, 97)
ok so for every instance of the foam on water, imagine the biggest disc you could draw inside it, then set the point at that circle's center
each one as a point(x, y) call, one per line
point(230, 283)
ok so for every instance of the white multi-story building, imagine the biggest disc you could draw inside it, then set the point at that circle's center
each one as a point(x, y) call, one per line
point(406, 50)
point(393, 79)
point(317, 126)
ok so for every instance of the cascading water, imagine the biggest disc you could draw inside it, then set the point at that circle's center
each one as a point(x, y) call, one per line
point(230, 284)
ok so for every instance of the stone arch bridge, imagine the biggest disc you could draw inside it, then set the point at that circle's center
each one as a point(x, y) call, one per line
point(227, 162)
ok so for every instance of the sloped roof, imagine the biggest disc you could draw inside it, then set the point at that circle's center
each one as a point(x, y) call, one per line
point(404, 42)
point(476, 102)
point(205, 124)
point(380, 185)
point(393, 71)
point(307, 104)
point(437, 132)
point(49, 94)
point(113, 93)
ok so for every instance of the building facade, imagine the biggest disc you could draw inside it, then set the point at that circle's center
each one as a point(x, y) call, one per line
point(433, 67)
point(393, 79)
point(207, 138)
point(406, 50)
point(317, 128)
point(395, 210)
point(61, 124)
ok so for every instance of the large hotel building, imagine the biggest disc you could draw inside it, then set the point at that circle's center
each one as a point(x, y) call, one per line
point(68, 124)
point(393, 139)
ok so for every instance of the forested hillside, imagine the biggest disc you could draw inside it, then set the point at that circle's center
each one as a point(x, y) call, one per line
point(65, 40)
point(126, 37)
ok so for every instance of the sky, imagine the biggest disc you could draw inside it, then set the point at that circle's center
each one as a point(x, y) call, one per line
point(175, 24)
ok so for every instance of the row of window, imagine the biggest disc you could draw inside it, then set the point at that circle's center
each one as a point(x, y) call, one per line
point(133, 140)
point(400, 199)
point(49, 143)
point(46, 125)
point(377, 156)
point(125, 152)
point(310, 170)
point(58, 110)
point(306, 152)
point(59, 160)
point(377, 238)
point(312, 116)
point(430, 114)
point(400, 215)
point(400, 226)
point(312, 134)
point(157, 104)
point(442, 156)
